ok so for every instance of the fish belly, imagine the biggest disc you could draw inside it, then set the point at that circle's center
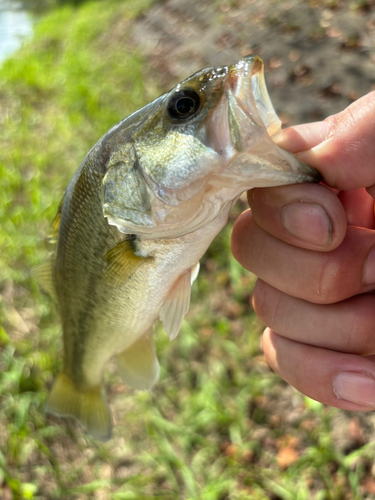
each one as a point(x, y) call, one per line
point(134, 306)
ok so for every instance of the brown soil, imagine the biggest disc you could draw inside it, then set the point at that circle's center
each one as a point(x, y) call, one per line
point(319, 55)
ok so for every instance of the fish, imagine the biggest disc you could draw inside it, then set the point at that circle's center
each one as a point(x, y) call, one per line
point(138, 215)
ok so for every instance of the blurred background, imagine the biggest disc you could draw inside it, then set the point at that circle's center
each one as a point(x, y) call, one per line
point(219, 425)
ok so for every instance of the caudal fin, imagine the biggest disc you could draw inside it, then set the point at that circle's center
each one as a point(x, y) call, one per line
point(88, 406)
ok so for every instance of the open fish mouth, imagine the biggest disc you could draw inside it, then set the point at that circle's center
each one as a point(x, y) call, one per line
point(248, 86)
point(251, 111)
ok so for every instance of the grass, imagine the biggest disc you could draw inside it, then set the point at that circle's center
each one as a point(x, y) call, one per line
point(219, 425)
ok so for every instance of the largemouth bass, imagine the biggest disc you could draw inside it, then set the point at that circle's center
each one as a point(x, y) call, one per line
point(137, 216)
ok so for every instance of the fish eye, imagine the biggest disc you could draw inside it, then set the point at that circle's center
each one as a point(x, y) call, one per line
point(183, 104)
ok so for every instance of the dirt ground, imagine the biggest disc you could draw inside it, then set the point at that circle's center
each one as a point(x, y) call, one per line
point(319, 55)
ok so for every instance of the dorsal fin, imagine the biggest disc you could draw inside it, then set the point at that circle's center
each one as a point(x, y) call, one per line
point(122, 262)
point(43, 274)
point(176, 305)
point(52, 239)
point(57, 219)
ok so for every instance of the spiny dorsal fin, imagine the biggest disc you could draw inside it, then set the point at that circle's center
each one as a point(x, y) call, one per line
point(57, 219)
point(176, 305)
point(87, 405)
point(138, 365)
point(52, 239)
point(122, 262)
point(43, 274)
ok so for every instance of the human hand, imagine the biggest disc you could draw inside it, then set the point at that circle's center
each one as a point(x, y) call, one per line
point(314, 251)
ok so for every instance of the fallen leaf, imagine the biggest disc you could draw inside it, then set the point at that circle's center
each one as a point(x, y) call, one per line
point(248, 456)
point(308, 424)
point(369, 485)
point(294, 55)
point(356, 432)
point(286, 457)
point(274, 63)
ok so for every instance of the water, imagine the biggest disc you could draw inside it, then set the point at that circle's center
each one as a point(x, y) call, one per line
point(15, 26)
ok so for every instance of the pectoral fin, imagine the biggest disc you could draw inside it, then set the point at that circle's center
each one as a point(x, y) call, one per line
point(194, 272)
point(138, 365)
point(88, 406)
point(176, 305)
point(122, 262)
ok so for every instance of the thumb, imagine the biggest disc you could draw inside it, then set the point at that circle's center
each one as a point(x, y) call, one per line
point(342, 147)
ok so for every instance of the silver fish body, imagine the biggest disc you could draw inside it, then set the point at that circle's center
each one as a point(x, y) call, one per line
point(139, 214)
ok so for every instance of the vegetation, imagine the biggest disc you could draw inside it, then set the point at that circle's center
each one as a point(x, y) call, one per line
point(219, 425)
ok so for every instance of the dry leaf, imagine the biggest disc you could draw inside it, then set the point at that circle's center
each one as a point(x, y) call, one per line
point(369, 485)
point(308, 424)
point(231, 450)
point(356, 432)
point(274, 63)
point(248, 456)
point(286, 457)
point(294, 55)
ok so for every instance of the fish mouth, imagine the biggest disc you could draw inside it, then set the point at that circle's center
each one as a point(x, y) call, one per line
point(246, 79)
point(251, 108)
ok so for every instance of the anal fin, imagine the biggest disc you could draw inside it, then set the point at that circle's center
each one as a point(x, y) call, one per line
point(177, 304)
point(138, 365)
point(88, 406)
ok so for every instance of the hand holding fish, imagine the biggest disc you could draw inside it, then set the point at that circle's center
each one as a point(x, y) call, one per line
point(314, 251)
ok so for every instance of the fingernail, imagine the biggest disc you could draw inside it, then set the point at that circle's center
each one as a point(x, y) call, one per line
point(369, 277)
point(355, 387)
point(308, 222)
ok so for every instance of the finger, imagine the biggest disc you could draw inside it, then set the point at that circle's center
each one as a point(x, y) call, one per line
point(342, 147)
point(346, 326)
point(319, 277)
point(371, 191)
point(306, 215)
point(346, 381)
point(359, 208)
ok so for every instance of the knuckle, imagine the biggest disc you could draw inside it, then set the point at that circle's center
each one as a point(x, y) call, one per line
point(328, 281)
point(353, 343)
point(350, 138)
point(269, 305)
point(259, 299)
point(360, 327)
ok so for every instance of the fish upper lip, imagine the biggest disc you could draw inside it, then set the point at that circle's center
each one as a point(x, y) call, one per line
point(246, 81)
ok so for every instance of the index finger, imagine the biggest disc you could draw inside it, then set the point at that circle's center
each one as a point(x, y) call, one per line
point(342, 147)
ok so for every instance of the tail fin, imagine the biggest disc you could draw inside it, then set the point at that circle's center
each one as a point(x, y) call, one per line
point(88, 406)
